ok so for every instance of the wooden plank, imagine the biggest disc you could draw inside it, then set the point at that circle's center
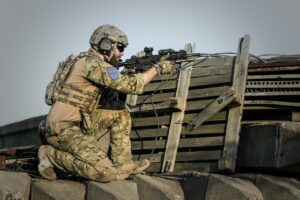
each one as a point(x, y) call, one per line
point(207, 92)
point(183, 156)
point(148, 133)
point(296, 116)
point(211, 109)
point(281, 93)
point(193, 166)
point(211, 71)
point(273, 62)
point(172, 103)
point(161, 85)
point(204, 81)
point(213, 141)
point(151, 121)
point(190, 105)
point(228, 160)
point(193, 94)
point(206, 129)
point(163, 77)
point(175, 127)
point(249, 122)
point(165, 120)
point(273, 76)
point(158, 97)
point(247, 107)
point(274, 69)
point(199, 155)
point(218, 66)
point(273, 84)
point(222, 60)
point(273, 103)
point(162, 132)
point(198, 105)
point(211, 80)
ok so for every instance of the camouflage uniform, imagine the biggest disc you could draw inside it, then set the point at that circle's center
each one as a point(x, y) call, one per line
point(86, 114)
point(78, 139)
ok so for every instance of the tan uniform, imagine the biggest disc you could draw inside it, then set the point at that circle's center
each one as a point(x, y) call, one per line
point(76, 135)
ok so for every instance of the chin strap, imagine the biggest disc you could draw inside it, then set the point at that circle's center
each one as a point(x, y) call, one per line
point(111, 52)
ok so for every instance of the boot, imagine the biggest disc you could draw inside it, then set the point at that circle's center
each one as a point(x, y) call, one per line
point(45, 167)
point(140, 166)
point(134, 167)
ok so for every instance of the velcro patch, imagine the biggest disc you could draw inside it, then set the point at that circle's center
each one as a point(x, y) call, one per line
point(113, 73)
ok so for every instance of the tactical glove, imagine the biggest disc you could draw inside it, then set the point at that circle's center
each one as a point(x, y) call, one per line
point(163, 67)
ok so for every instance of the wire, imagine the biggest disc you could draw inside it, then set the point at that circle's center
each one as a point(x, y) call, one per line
point(15, 167)
point(157, 130)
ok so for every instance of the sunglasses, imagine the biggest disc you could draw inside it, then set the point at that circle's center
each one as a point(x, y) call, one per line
point(121, 47)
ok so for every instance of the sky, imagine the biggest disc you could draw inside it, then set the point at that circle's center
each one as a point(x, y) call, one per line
point(35, 35)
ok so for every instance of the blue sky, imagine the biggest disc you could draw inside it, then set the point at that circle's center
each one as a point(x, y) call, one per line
point(36, 34)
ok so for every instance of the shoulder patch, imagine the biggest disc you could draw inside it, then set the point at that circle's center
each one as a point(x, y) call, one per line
point(113, 73)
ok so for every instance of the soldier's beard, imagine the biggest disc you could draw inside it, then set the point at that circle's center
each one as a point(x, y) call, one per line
point(114, 61)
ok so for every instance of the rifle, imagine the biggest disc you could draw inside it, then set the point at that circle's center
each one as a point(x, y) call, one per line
point(140, 64)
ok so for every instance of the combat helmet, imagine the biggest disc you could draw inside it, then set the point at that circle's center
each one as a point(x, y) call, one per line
point(105, 35)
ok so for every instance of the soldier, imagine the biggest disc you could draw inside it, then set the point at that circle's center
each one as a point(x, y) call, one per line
point(86, 107)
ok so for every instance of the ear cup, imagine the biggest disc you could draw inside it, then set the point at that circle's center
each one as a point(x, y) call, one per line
point(105, 44)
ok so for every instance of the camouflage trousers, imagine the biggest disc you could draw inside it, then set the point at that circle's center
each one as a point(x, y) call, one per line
point(85, 151)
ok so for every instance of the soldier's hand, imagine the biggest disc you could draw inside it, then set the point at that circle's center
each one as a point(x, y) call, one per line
point(163, 66)
point(165, 57)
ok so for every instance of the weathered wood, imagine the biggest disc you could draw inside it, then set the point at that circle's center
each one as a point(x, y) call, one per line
point(222, 60)
point(296, 116)
point(207, 92)
point(276, 62)
point(273, 103)
point(172, 103)
point(183, 156)
point(190, 105)
point(211, 109)
point(204, 81)
point(228, 160)
point(213, 141)
point(151, 121)
point(248, 107)
point(198, 105)
point(163, 77)
point(158, 97)
point(164, 120)
point(273, 84)
point(193, 94)
point(211, 71)
point(211, 80)
point(162, 132)
point(193, 166)
point(175, 127)
point(274, 69)
point(248, 122)
point(281, 93)
point(273, 76)
point(161, 85)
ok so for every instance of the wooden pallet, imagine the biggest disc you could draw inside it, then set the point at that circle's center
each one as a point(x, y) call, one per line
point(171, 102)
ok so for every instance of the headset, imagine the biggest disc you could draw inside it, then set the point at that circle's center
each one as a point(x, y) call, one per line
point(105, 45)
